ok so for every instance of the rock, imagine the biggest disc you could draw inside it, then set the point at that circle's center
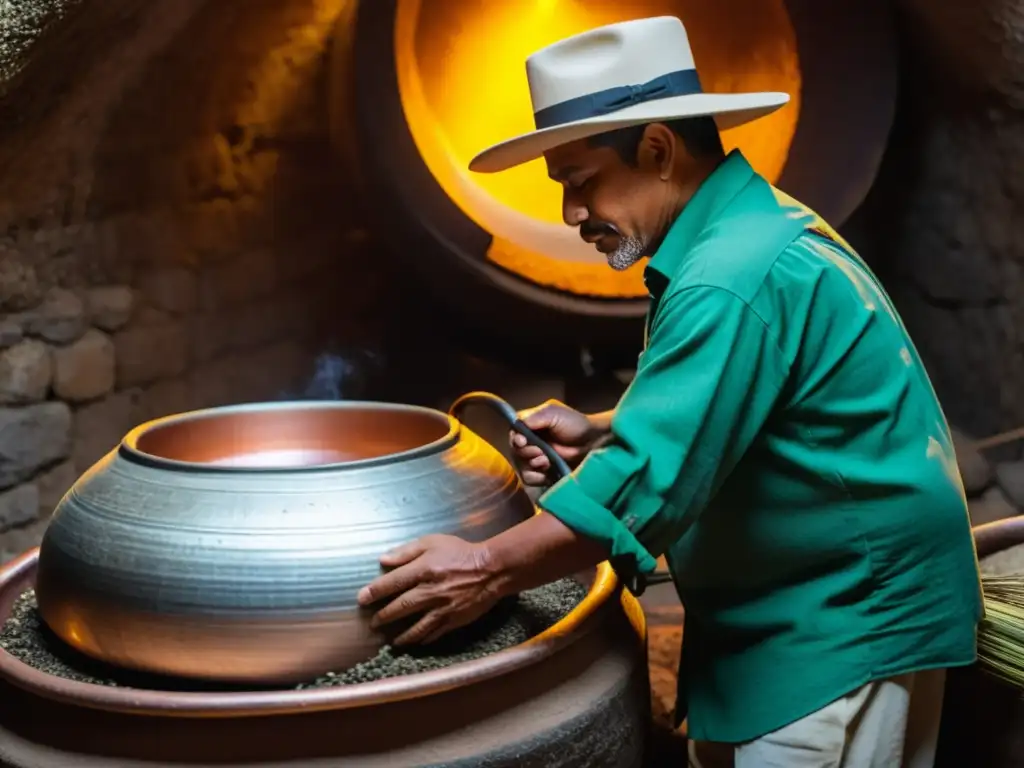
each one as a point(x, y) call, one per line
point(19, 284)
point(975, 470)
point(85, 369)
point(173, 289)
point(10, 333)
point(991, 506)
point(60, 319)
point(148, 354)
point(53, 484)
point(100, 425)
point(1006, 562)
point(1010, 477)
point(110, 307)
point(32, 437)
point(19, 540)
point(19, 505)
point(25, 373)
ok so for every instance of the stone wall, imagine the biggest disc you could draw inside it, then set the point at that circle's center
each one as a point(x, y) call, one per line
point(173, 234)
point(948, 201)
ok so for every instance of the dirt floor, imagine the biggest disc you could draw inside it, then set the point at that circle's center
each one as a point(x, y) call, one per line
point(665, 634)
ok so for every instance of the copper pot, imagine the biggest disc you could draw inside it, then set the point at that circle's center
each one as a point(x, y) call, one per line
point(230, 543)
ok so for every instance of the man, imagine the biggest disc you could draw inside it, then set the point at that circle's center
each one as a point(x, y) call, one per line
point(780, 443)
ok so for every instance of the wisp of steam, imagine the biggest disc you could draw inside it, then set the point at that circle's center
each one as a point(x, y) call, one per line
point(329, 376)
point(336, 377)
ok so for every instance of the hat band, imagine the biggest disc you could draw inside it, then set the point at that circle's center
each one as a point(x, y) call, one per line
point(683, 82)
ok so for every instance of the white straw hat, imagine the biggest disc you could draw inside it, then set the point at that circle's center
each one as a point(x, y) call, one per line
point(613, 77)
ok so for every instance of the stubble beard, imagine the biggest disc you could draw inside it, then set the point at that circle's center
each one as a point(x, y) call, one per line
point(630, 251)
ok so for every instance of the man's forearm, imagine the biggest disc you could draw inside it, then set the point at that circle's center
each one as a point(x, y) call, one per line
point(539, 551)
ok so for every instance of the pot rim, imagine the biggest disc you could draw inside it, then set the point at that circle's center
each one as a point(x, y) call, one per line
point(997, 536)
point(128, 447)
point(585, 618)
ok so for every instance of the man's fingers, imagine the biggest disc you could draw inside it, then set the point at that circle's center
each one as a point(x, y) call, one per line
point(540, 463)
point(414, 601)
point(431, 624)
point(541, 417)
point(529, 453)
point(399, 580)
point(532, 477)
point(404, 554)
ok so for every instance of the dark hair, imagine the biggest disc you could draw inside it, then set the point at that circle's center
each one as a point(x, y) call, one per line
point(699, 135)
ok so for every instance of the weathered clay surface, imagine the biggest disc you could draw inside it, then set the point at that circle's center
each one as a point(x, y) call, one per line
point(31, 438)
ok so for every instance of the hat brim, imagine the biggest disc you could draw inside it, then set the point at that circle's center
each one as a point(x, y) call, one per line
point(728, 109)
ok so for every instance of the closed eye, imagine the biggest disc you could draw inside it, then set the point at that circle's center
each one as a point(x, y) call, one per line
point(578, 184)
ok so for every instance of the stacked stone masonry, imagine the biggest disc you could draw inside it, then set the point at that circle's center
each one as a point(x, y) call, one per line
point(174, 232)
point(994, 488)
point(57, 355)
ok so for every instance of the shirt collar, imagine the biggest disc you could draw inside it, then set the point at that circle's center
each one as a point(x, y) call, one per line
point(712, 197)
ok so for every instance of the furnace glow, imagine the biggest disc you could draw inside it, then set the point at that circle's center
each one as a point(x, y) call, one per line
point(463, 87)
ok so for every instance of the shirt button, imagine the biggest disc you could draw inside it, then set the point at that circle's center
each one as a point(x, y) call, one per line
point(630, 522)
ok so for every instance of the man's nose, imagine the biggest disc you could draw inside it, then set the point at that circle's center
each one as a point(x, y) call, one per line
point(573, 213)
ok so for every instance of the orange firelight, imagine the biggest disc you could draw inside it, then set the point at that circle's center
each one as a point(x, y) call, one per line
point(463, 87)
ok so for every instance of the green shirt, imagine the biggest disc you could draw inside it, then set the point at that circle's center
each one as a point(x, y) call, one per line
point(782, 445)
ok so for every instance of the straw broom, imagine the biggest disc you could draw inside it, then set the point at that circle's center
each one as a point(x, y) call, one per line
point(1001, 632)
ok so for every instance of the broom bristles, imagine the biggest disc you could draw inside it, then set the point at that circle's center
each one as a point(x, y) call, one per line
point(1001, 632)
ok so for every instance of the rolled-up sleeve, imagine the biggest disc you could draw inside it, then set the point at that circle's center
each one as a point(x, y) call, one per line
point(707, 382)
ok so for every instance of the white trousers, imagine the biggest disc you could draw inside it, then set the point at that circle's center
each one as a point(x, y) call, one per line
point(890, 723)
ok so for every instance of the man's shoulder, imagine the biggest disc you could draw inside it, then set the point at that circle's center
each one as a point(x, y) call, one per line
point(741, 254)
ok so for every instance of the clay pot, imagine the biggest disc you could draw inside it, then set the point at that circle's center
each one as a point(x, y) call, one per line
point(230, 543)
point(575, 696)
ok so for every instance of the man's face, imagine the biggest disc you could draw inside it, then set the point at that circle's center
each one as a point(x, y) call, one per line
point(614, 204)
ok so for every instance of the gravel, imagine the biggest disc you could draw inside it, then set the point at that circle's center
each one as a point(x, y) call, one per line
point(22, 22)
point(27, 638)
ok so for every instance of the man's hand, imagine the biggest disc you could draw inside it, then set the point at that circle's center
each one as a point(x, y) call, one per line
point(448, 580)
point(572, 434)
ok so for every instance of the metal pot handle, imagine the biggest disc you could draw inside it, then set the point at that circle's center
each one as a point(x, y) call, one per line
point(559, 468)
point(636, 583)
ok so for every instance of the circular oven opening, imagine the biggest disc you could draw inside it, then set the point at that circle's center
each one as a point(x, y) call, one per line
point(462, 88)
point(417, 88)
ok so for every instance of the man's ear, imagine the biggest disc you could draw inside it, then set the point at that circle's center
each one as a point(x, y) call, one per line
point(657, 150)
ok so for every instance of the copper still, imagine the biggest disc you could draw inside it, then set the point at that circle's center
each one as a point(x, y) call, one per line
point(229, 544)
